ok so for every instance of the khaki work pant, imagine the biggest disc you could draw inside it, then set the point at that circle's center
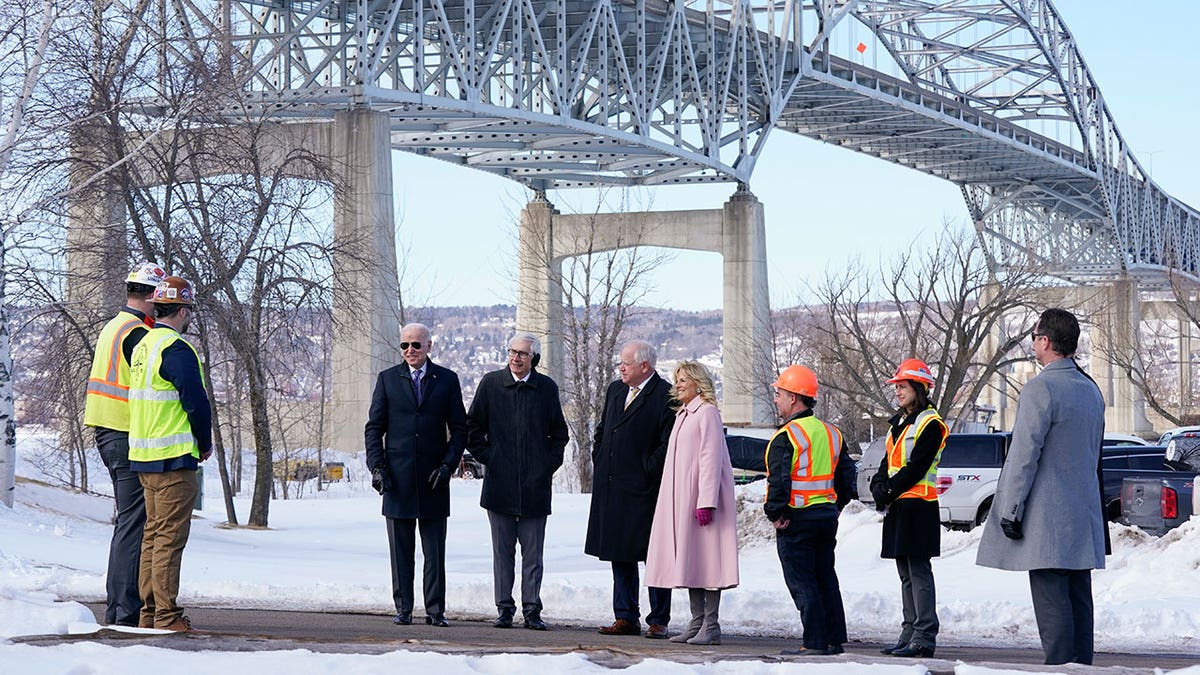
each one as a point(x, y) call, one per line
point(170, 497)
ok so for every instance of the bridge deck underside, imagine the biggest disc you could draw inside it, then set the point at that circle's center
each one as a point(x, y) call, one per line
point(941, 138)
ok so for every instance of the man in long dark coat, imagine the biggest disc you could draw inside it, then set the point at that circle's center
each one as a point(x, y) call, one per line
point(415, 434)
point(516, 428)
point(627, 458)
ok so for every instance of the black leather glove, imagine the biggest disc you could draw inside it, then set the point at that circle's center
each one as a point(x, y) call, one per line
point(439, 477)
point(380, 480)
point(1012, 528)
point(880, 492)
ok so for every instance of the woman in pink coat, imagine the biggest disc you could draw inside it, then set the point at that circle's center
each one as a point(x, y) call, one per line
point(693, 541)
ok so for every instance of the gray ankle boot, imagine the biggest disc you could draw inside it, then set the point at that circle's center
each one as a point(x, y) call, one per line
point(696, 599)
point(710, 632)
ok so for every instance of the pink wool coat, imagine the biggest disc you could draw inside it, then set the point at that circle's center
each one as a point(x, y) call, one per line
point(697, 474)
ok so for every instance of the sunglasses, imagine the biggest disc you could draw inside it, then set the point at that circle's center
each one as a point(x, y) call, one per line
point(415, 345)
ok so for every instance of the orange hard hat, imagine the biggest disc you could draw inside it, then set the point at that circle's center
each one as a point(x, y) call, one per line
point(798, 380)
point(913, 370)
point(174, 291)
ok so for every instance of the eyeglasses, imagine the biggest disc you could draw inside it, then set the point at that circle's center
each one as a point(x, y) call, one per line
point(517, 354)
point(1035, 335)
point(405, 345)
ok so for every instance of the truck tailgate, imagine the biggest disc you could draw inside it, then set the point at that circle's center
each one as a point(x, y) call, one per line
point(1156, 505)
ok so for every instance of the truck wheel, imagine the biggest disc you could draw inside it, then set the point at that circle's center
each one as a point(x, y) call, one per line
point(984, 509)
point(468, 473)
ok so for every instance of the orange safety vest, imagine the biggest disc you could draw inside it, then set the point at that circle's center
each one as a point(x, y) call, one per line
point(107, 401)
point(815, 449)
point(899, 451)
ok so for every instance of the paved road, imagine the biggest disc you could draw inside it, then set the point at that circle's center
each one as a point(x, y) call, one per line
point(257, 630)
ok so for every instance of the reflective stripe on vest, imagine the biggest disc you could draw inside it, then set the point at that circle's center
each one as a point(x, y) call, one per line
point(107, 401)
point(159, 428)
point(898, 453)
point(815, 448)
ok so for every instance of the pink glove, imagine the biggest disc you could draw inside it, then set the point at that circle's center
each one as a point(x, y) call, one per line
point(704, 516)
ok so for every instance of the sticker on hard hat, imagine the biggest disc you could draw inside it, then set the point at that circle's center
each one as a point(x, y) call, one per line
point(171, 294)
point(185, 294)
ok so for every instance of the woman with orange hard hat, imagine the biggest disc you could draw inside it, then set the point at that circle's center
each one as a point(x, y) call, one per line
point(906, 486)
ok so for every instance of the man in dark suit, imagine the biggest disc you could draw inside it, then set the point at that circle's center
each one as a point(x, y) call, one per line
point(627, 459)
point(415, 434)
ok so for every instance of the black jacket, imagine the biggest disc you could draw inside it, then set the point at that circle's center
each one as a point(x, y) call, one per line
point(779, 480)
point(517, 430)
point(410, 442)
point(912, 527)
point(628, 451)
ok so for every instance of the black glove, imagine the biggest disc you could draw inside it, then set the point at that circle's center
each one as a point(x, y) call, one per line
point(1012, 528)
point(380, 480)
point(439, 477)
point(880, 492)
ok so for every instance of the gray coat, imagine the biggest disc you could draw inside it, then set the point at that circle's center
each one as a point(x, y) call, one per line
point(1049, 478)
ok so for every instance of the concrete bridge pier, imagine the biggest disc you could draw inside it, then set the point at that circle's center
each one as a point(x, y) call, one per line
point(366, 316)
point(746, 350)
point(1119, 315)
point(737, 231)
point(539, 283)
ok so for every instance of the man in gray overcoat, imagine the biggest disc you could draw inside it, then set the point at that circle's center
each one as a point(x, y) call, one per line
point(1046, 516)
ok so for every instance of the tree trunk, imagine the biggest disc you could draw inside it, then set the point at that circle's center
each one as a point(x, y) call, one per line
point(260, 502)
point(8, 427)
point(218, 437)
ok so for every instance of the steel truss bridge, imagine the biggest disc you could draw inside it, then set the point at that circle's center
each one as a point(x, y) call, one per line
point(992, 95)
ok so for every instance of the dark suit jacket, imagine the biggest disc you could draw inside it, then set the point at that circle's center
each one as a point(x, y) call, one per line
point(409, 442)
point(628, 451)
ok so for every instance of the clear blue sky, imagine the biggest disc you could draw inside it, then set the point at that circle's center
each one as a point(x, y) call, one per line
point(823, 204)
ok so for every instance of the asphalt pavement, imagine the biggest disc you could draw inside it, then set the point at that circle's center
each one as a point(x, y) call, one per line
point(331, 632)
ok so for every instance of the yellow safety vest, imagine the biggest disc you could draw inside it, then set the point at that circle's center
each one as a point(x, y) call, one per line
point(158, 425)
point(899, 451)
point(815, 449)
point(107, 401)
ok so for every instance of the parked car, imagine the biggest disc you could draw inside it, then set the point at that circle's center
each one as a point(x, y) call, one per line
point(1165, 498)
point(1127, 461)
point(747, 454)
point(1171, 433)
point(469, 467)
point(1124, 439)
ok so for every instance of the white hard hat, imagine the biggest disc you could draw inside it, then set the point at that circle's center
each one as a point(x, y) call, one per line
point(147, 274)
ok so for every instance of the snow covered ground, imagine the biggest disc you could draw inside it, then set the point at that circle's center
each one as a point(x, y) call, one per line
point(327, 551)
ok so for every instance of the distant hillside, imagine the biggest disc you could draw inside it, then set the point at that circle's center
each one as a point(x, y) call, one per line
point(472, 340)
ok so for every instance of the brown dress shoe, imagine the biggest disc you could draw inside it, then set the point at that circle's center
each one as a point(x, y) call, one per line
point(656, 632)
point(621, 627)
point(180, 625)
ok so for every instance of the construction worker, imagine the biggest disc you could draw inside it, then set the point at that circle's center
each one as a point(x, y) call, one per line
point(906, 486)
point(106, 410)
point(170, 433)
point(809, 479)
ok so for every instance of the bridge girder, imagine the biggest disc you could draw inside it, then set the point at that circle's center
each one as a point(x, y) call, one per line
point(992, 95)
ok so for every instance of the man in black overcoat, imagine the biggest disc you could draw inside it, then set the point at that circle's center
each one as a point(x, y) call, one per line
point(517, 430)
point(416, 432)
point(627, 459)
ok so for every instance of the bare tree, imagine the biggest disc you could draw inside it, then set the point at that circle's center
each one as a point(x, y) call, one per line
point(602, 287)
point(940, 303)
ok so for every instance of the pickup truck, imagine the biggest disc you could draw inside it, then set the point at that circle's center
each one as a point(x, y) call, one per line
point(1164, 498)
point(970, 469)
